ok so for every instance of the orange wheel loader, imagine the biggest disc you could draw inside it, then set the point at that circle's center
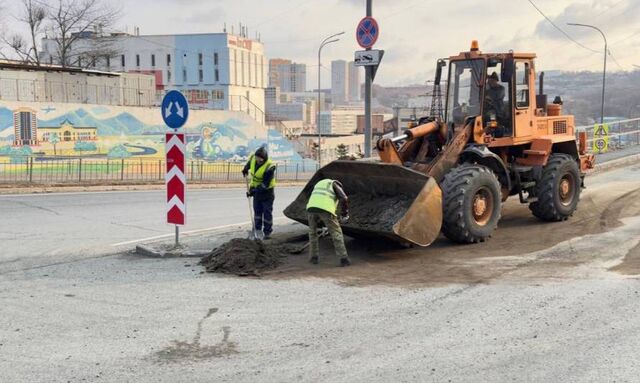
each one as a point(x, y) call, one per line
point(452, 173)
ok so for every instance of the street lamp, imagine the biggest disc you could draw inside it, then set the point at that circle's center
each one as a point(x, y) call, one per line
point(328, 40)
point(604, 70)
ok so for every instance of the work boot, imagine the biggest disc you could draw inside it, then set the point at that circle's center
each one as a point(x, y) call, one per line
point(314, 260)
point(345, 262)
point(267, 236)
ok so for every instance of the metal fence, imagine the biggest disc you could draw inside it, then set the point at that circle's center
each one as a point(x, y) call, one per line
point(47, 170)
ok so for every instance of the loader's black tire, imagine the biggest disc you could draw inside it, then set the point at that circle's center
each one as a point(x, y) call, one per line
point(558, 190)
point(464, 190)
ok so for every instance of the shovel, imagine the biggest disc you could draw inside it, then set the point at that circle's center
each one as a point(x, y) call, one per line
point(323, 232)
point(252, 234)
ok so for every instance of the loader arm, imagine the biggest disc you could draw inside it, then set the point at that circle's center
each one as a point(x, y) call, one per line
point(412, 146)
point(448, 158)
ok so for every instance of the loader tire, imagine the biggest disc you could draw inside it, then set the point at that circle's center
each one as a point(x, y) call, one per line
point(558, 190)
point(472, 203)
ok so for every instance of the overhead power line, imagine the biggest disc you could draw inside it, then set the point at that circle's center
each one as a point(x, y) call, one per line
point(558, 28)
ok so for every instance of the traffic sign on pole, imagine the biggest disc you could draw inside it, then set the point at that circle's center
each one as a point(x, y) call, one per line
point(175, 109)
point(367, 32)
point(368, 58)
point(601, 138)
point(175, 178)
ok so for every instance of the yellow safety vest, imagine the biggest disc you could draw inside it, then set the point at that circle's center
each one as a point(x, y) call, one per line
point(323, 197)
point(258, 174)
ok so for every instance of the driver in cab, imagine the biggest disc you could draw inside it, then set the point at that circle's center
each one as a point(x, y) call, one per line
point(494, 101)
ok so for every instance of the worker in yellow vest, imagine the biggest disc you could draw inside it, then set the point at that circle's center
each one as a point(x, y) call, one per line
point(261, 187)
point(322, 207)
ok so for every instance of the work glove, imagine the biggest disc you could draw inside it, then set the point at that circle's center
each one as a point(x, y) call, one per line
point(344, 218)
point(251, 192)
point(245, 173)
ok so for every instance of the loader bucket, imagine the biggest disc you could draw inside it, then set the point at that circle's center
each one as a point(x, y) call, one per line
point(385, 200)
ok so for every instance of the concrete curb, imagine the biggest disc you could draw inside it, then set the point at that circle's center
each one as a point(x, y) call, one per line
point(148, 251)
point(614, 164)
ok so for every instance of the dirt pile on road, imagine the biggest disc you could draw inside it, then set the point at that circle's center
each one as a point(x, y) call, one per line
point(242, 257)
point(245, 257)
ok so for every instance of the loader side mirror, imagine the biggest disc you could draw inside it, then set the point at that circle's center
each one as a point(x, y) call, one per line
point(508, 68)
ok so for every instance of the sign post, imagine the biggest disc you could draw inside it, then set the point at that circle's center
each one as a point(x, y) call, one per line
point(175, 111)
point(367, 34)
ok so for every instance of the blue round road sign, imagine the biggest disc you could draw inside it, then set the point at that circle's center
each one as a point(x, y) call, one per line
point(367, 32)
point(175, 109)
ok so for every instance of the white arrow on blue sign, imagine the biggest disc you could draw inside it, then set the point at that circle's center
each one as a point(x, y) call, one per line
point(175, 109)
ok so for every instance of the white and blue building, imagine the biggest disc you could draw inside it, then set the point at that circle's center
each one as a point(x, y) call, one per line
point(213, 70)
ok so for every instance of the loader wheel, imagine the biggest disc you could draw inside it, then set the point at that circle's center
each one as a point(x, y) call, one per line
point(472, 202)
point(558, 191)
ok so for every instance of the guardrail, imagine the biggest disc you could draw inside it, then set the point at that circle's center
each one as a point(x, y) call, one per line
point(41, 170)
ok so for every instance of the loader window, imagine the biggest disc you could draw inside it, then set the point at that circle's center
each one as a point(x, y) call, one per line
point(522, 85)
point(464, 96)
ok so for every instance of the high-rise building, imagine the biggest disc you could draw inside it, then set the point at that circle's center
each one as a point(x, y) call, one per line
point(345, 82)
point(339, 82)
point(274, 74)
point(288, 76)
point(354, 82)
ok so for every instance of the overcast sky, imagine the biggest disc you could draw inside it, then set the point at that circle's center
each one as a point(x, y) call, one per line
point(414, 33)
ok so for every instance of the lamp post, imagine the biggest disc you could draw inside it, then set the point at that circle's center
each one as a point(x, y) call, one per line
point(326, 41)
point(604, 70)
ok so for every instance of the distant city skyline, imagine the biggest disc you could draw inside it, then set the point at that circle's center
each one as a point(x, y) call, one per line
point(414, 34)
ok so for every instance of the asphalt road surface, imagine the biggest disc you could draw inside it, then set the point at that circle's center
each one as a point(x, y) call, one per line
point(39, 229)
point(538, 302)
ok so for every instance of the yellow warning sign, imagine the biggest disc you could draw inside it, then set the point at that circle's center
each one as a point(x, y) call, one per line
point(600, 138)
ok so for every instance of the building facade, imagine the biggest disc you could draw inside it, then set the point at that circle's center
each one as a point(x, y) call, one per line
point(288, 76)
point(213, 70)
point(354, 144)
point(340, 120)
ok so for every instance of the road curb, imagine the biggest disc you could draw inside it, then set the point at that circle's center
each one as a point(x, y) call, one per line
point(617, 163)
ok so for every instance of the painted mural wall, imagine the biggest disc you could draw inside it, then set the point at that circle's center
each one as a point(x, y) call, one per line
point(123, 132)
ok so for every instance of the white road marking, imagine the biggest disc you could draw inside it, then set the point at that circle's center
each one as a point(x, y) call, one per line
point(188, 233)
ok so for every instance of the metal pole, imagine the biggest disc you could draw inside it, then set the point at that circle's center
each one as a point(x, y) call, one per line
point(319, 96)
point(367, 97)
point(177, 236)
point(604, 70)
point(324, 42)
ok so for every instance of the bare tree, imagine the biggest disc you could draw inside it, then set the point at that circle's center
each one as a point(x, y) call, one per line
point(76, 29)
point(33, 14)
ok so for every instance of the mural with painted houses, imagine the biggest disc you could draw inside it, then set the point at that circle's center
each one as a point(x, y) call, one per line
point(61, 129)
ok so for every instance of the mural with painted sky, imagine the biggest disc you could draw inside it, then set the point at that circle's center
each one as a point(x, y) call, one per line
point(122, 132)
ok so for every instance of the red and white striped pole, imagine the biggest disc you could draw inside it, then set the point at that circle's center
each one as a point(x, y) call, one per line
point(176, 181)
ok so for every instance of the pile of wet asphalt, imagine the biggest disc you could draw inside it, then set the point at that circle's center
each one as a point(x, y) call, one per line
point(377, 213)
point(246, 257)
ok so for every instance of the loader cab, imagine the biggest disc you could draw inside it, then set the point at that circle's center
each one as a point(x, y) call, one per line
point(480, 87)
point(497, 87)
